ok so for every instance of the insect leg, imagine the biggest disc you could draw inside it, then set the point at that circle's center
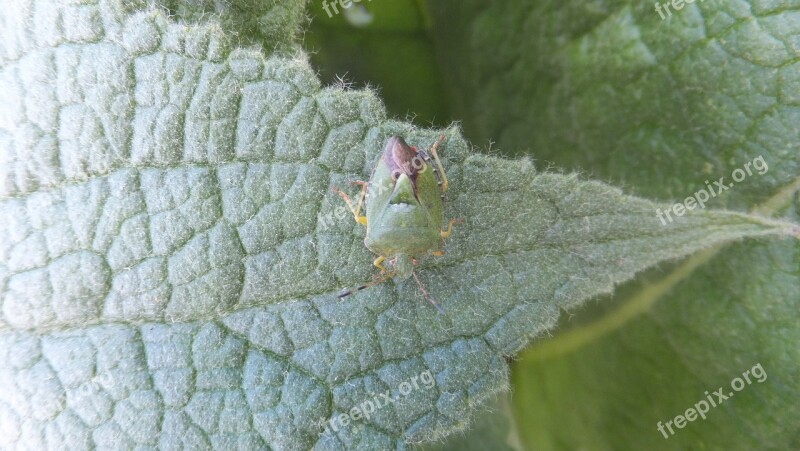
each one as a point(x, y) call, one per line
point(356, 210)
point(362, 195)
point(446, 233)
point(379, 263)
point(377, 281)
point(439, 162)
point(426, 294)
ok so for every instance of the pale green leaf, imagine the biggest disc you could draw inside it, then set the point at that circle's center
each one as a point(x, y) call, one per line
point(170, 254)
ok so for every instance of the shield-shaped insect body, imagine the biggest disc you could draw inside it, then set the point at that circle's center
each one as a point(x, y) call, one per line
point(404, 210)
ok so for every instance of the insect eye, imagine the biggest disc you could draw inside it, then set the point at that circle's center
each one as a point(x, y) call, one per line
point(396, 174)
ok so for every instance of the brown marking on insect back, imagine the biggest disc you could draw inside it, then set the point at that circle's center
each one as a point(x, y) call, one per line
point(402, 159)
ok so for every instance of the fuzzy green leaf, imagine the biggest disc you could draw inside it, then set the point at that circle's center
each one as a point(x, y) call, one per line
point(170, 253)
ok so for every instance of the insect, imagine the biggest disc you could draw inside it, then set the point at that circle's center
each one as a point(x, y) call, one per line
point(404, 211)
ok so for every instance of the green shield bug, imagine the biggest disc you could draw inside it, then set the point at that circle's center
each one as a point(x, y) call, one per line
point(404, 211)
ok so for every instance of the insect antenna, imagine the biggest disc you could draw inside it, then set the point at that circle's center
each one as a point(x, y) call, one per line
point(426, 294)
point(377, 281)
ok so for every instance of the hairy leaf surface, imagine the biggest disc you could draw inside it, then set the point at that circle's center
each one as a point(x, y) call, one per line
point(171, 250)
